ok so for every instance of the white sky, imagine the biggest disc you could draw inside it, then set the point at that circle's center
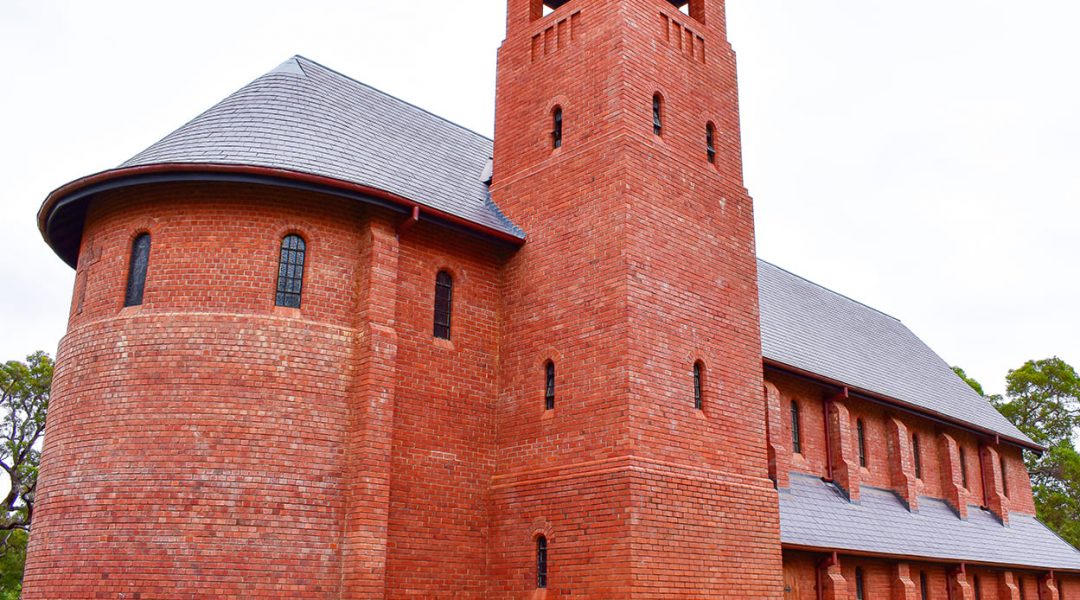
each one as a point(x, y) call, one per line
point(919, 156)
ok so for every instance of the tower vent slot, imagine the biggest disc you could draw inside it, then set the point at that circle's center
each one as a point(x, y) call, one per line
point(680, 37)
point(556, 36)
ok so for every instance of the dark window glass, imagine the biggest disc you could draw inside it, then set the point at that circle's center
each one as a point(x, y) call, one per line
point(1020, 584)
point(541, 562)
point(963, 468)
point(924, 586)
point(1004, 477)
point(290, 279)
point(796, 426)
point(862, 441)
point(977, 585)
point(444, 297)
point(710, 142)
point(657, 122)
point(140, 260)
point(698, 385)
point(860, 586)
point(556, 128)
point(549, 385)
point(917, 453)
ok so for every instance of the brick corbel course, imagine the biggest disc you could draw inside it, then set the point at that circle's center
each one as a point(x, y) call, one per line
point(1008, 588)
point(958, 583)
point(901, 465)
point(834, 586)
point(779, 453)
point(991, 472)
point(903, 586)
point(843, 447)
point(952, 478)
point(1048, 589)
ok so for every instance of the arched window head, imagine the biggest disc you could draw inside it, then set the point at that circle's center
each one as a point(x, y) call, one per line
point(556, 127)
point(861, 428)
point(916, 451)
point(796, 429)
point(140, 261)
point(657, 114)
point(710, 142)
point(290, 281)
point(541, 562)
point(444, 300)
point(860, 584)
point(699, 385)
point(549, 385)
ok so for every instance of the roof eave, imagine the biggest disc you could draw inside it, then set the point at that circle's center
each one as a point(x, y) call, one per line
point(916, 558)
point(81, 189)
point(901, 405)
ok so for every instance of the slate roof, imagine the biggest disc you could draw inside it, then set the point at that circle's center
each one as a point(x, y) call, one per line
point(305, 117)
point(815, 514)
point(814, 329)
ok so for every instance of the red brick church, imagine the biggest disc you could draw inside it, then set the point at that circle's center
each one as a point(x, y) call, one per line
point(325, 344)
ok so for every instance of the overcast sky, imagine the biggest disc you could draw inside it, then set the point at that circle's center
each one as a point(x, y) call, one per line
point(921, 156)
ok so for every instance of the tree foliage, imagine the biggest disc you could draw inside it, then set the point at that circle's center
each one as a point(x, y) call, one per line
point(1042, 398)
point(24, 400)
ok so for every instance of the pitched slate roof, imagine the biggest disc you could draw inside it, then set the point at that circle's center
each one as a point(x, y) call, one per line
point(813, 329)
point(815, 514)
point(307, 118)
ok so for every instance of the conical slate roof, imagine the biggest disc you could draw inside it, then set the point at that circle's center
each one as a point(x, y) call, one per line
point(307, 118)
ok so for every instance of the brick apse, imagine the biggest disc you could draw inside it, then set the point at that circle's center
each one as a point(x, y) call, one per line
point(324, 344)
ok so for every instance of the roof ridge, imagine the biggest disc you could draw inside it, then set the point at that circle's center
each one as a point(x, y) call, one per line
point(831, 291)
point(392, 97)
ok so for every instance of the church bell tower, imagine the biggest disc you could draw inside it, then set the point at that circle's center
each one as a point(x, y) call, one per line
point(631, 458)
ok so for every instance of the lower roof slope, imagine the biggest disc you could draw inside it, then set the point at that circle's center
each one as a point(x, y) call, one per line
point(815, 514)
point(816, 330)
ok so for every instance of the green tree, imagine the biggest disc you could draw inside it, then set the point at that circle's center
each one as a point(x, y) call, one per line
point(1042, 398)
point(24, 401)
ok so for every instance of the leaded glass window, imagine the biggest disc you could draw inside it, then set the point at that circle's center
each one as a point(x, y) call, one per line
point(541, 562)
point(549, 385)
point(698, 385)
point(140, 261)
point(291, 271)
point(796, 426)
point(444, 296)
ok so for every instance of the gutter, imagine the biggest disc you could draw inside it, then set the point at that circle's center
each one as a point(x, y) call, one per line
point(83, 188)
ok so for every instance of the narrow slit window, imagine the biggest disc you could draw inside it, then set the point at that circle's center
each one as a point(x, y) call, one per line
point(710, 142)
point(290, 281)
point(444, 297)
point(1020, 585)
point(924, 586)
point(549, 385)
point(796, 429)
point(699, 393)
point(862, 442)
point(556, 127)
point(1004, 476)
point(917, 454)
point(657, 116)
point(976, 584)
point(140, 261)
point(860, 585)
point(963, 468)
point(541, 563)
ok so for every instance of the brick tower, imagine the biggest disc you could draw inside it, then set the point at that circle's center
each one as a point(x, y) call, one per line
point(617, 149)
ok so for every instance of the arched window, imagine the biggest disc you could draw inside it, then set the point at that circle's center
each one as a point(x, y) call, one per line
point(140, 260)
point(444, 299)
point(710, 142)
point(924, 586)
point(963, 468)
point(917, 454)
point(541, 562)
point(1004, 476)
point(556, 127)
point(862, 442)
point(796, 429)
point(549, 385)
point(657, 116)
point(699, 385)
point(290, 279)
point(860, 584)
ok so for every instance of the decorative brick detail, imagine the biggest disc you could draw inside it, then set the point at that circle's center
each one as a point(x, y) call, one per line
point(1048, 588)
point(952, 479)
point(833, 584)
point(961, 588)
point(991, 472)
point(779, 453)
point(901, 465)
point(844, 449)
point(1008, 588)
point(904, 587)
